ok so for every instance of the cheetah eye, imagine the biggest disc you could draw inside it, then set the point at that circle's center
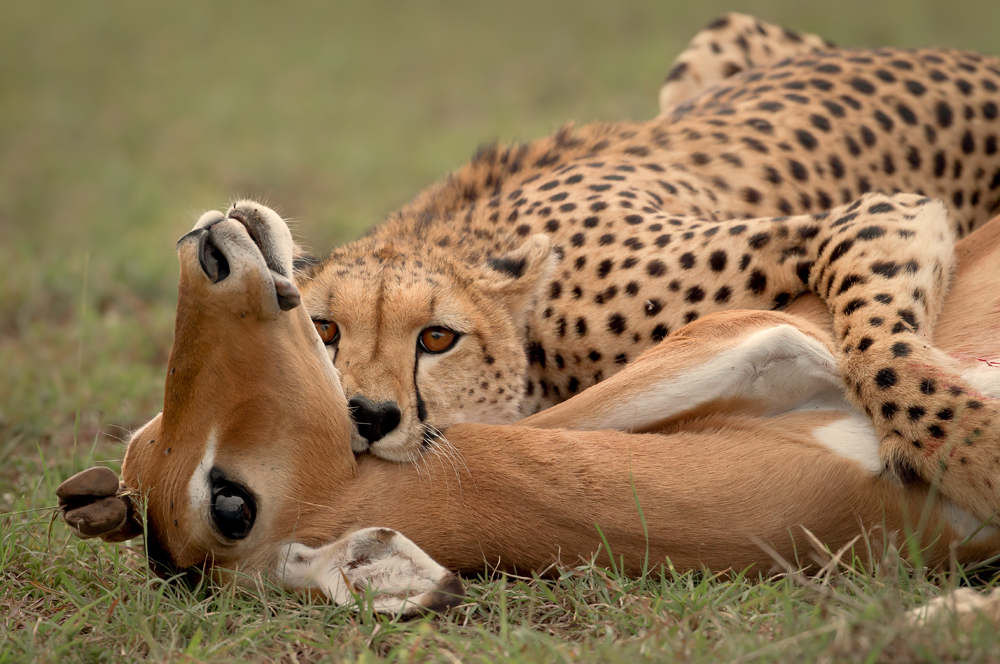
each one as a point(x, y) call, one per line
point(438, 339)
point(328, 331)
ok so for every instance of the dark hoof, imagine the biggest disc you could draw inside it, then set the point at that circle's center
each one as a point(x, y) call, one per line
point(449, 594)
point(97, 518)
point(88, 485)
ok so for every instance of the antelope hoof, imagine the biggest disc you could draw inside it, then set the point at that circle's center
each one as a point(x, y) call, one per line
point(97, 518)
point(87, 486)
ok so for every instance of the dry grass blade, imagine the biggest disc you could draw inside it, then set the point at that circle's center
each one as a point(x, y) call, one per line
point(798, 577)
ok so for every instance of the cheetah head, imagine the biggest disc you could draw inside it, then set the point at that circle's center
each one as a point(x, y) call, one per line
point(425, 339)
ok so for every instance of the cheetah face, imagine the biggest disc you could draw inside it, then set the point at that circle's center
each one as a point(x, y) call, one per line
point(424, 341)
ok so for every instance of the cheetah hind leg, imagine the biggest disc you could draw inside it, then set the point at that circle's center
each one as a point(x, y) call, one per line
point(729, 45)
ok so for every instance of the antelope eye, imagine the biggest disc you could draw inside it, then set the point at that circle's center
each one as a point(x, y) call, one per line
point(234, 510)
point(438, 339)
point(328, 331)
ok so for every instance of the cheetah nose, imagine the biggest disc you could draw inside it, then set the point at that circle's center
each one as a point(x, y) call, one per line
point(374, 420)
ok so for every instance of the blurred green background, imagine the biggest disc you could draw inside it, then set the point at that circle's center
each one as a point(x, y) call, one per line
point(121, 121)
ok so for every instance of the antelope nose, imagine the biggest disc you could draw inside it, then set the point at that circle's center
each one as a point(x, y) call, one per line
point(374, 420)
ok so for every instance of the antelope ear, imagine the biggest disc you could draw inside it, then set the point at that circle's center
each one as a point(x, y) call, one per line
point(402, 579)
point(518, 278)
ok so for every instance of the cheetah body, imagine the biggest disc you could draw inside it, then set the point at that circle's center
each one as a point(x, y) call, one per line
point(560, 260)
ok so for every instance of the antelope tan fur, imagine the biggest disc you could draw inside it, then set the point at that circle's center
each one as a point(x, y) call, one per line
point(732, 433)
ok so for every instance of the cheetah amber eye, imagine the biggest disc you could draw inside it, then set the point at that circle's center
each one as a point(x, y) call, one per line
point(437, 339)
point(233, 508)
point(328, 332)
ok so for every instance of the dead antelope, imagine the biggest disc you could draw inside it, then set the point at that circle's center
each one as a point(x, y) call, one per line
point(748, 438)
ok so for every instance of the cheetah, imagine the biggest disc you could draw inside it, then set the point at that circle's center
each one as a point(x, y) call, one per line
point(540, 269)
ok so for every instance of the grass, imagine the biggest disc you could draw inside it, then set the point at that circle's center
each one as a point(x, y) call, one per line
point(83, 601)
point(122, 121)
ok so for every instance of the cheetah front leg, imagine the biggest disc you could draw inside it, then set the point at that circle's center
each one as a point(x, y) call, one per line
point(729, 45)
point(884, 266)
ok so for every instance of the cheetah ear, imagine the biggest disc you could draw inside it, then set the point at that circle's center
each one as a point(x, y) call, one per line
point(304, 264)
point(305, 267)
point(518, 278)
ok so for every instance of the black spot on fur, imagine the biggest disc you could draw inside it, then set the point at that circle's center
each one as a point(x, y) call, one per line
point(870, 233)
point(900, 349)
point(757, 282)
point(886, 378)
point(803, 269)
point(854, 305)
point(840, 250)
point(944, 115)
point(656, 268)
point(798, 171)
point(535, 353)
point(509, 266)
point(717, 261)
point(863, 86)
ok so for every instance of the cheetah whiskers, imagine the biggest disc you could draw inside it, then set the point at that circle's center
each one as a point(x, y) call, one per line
point(444, 446)
point(430, 446)
point(441, 447)
point(431, 435)
point(415, 459)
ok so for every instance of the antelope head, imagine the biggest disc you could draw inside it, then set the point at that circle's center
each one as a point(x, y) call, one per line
point(232, 475)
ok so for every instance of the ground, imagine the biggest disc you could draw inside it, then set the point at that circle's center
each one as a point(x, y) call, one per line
point(121, 123)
